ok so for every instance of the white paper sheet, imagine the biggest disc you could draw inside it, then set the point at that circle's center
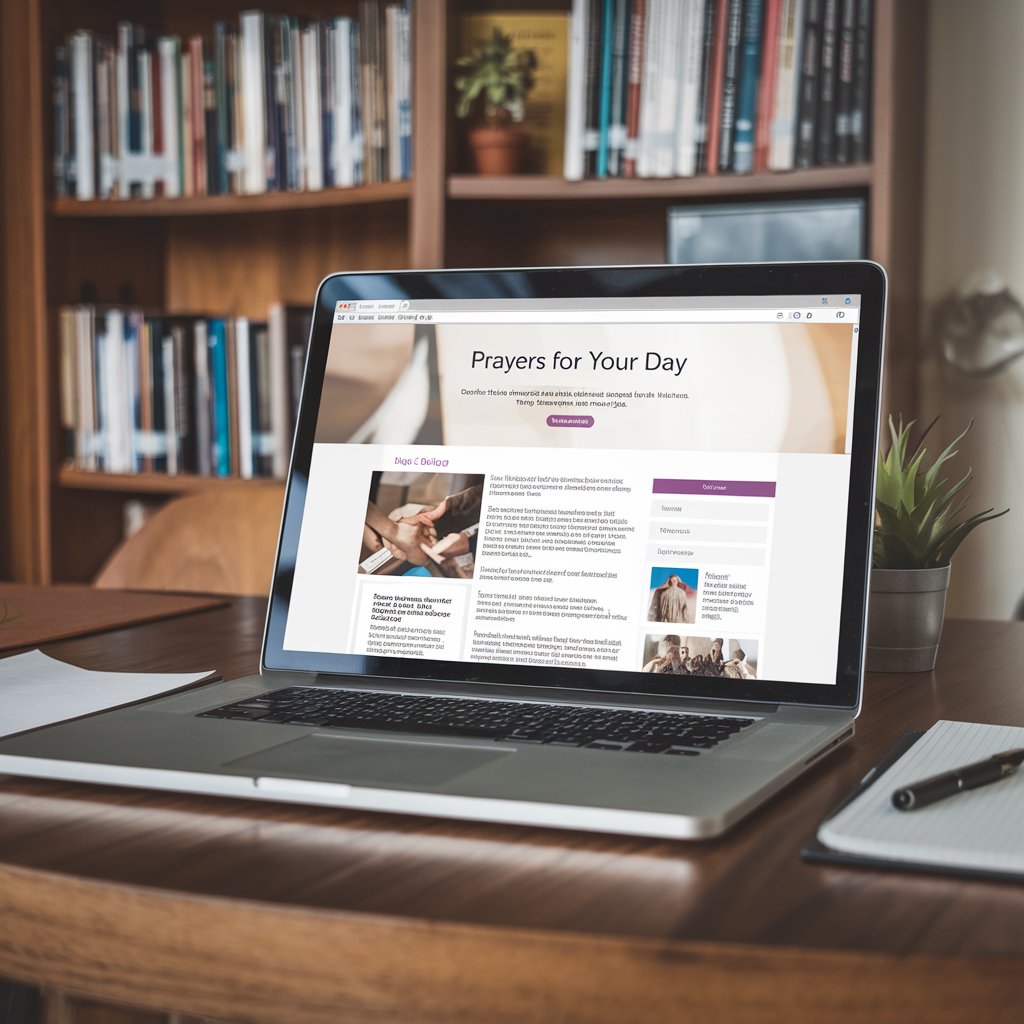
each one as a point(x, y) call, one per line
point(983, 828)
point(37, 690)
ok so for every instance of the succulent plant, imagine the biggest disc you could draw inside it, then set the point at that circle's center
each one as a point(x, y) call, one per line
point(919, 513)
point(498, 76)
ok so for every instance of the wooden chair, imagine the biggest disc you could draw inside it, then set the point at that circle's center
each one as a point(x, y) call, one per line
point(217, 542)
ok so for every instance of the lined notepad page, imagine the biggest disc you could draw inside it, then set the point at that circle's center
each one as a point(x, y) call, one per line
point(982, 828)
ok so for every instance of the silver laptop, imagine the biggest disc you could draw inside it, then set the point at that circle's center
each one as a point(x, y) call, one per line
point(585, 548)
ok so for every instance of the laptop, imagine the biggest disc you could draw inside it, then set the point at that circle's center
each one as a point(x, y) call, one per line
point(584, 548)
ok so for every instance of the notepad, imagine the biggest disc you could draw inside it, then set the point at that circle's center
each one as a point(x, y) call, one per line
point(981, 830)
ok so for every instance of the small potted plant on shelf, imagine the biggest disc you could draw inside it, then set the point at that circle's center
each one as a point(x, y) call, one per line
point(494, 82)
point(919, 524)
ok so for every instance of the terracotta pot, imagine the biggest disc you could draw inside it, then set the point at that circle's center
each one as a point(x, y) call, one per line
point(905, 616)
point(498, 150)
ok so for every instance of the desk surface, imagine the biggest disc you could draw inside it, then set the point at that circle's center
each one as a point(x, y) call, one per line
point(271, 912)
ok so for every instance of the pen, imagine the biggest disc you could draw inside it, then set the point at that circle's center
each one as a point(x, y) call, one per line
point(970, 776)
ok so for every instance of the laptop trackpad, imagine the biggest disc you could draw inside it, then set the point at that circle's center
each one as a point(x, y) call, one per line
point(368, 761)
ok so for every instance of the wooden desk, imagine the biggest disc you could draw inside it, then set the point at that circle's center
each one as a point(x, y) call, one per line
point(266, 912)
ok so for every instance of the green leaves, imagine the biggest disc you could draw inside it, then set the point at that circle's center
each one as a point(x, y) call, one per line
point(500, 75)
point(917, 511)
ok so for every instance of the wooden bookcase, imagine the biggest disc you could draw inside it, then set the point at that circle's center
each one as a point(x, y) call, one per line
point(235, 254)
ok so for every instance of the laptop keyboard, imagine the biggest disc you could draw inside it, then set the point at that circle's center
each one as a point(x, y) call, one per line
point(556, 725)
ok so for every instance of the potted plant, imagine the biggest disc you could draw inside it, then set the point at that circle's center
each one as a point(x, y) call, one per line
point(919, 524)
point(494, 82)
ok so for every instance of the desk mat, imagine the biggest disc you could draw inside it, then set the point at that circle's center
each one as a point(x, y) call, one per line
point(31, 615)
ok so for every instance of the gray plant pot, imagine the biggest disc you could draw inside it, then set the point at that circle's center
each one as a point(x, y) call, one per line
point(905, 615)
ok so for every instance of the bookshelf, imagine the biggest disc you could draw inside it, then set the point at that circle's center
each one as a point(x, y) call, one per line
point(235, 253)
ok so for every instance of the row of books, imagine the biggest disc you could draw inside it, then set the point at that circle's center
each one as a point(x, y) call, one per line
point(275, 102)
point(666, 88)
point(215, 396)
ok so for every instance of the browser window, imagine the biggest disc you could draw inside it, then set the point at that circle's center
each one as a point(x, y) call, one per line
point(642, 485)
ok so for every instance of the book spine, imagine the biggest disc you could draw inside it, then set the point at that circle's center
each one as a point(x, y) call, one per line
point(278, 90)
point(277, 358)
point(172, 430)
point(749, 80)
point(203, 393)
point(82, 99)
point(717, 73)
point(670, 63)
point(328, 88)
point(860, 104)
point(197, 106)
point(314, 71)
point(220, 135)
point(782, 144)
point(572, 161)
point(144, 426)
point(272, 98)
point(700, 128)
point(168, 50)
point(691, 49)
point(650, 89)
point(185, 378)
point(212, 151)
point(144, 180)
point(620, 70)
point(106, 164)
point(592, 88)
point(159, 452)
point(394, 154)
point(634, 86)
point(730, 85)
point(294, 114)
point(243, 384)
point(61, 146)
point(824, 148)
point(220, 399)
point(262, 437)
point(187, 156)
point(766, 90)
point(69, 372)
point(809, 69)
point(405, 89)
point(254, 177)
point(359, 136)
point(604, 113)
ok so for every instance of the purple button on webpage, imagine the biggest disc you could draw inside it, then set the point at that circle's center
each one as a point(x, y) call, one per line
point(556, 420)
point(718, 488)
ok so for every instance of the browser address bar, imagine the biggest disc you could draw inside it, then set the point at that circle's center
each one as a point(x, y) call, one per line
point(607, 316)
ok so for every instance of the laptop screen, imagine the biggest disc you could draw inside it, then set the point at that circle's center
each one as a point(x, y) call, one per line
point(645, 493)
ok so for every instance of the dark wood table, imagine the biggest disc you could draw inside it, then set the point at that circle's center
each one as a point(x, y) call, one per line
point(266, 912)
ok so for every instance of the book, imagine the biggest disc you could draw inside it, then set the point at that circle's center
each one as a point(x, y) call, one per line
point(783, 129)
point(977, 832)
point(766, 90)
point(547, 114)
point(730, 83)
point(716, 70)
point(604, 113)
point(575, 100)
point(691, 46)
point(844, 81)
point(810, 66)
point(634, 86)
point(824, 147)
point(749, 81)
point(860, 102)
point(620, 71)
point(592, 86)
point(700, 131)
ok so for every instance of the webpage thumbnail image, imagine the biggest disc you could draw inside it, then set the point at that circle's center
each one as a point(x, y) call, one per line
point(421, 525)
point(710, 657)
point(673, 595)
